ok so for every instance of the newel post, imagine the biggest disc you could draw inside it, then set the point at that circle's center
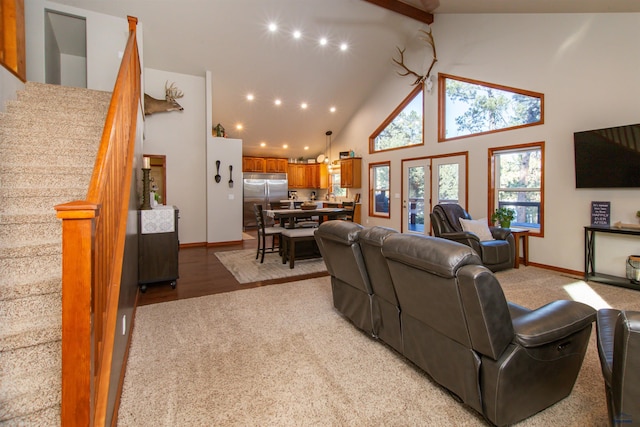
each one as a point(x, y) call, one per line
point(78, 234)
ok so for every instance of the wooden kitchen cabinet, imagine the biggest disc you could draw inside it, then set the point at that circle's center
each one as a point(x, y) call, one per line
point(253, 164)
point(351, 172)
point(297, 175)
point(274, 165)
point(313, 175)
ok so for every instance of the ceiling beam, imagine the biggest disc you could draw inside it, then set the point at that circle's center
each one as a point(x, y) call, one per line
point(404, 9)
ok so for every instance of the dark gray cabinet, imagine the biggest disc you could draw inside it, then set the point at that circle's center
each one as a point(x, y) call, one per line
point(157, 251)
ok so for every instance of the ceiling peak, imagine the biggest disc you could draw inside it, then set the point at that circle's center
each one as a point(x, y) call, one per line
point(404, 9)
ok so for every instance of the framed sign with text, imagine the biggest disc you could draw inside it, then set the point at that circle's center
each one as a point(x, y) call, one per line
point(600, 213)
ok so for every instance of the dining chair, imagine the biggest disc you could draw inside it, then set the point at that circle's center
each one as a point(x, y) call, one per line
point(349, 207)
point(263, 232)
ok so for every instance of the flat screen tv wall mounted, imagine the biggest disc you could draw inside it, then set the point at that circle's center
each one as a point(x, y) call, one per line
point(608, 158)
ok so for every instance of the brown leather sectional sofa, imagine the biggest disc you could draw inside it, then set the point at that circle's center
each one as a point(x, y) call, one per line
point(618, 348)
point(433, 301)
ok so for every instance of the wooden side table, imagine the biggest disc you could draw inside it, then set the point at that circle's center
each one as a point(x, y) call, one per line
point(517, 234)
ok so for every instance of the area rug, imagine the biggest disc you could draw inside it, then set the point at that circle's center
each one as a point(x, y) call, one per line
point(283, 356)
point(247, 269)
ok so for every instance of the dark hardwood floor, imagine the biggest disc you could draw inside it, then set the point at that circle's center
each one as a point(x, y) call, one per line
point(201, 273)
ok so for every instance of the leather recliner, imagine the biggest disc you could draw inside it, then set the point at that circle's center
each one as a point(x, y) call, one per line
point(387, 317)
point(496, 254)
point(505, 361)
point(351, 289)
point(618, 335)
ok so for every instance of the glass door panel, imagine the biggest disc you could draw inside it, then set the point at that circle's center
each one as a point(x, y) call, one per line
point(428, 182)
point(416, 175)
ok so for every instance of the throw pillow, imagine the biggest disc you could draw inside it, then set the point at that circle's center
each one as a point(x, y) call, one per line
point(479, 227)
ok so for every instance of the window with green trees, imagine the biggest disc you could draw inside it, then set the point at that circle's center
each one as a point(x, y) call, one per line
point(518, 183)
point(379, 187)
point(471, 107)
point(403, 128)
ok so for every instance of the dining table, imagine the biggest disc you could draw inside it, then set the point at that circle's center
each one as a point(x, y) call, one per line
point(288, 216)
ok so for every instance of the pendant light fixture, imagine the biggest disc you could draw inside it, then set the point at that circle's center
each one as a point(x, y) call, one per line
point(327, 158)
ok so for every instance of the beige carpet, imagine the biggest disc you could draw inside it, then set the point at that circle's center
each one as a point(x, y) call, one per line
point(281, 355)
point(246, 236)
point(246, 268)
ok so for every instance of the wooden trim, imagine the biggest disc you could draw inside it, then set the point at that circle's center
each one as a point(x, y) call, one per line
point(193, 245)
point(372, 200)
point(404, 9)
point(491, 193)
point(579, 274)
point(160, 160)
point(231, 242)
point(430, 159)
point(12, 38)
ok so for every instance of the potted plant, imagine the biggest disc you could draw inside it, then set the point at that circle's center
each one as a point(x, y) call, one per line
point(503, 216)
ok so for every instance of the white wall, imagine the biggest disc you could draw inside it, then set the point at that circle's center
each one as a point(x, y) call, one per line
point(224, 203)
point(180, 136)
point(73, 70)
point(106, 40)
point(9, 85)
point(587, 67)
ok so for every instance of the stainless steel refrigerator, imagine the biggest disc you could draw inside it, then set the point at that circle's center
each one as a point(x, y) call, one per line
point(261, 188)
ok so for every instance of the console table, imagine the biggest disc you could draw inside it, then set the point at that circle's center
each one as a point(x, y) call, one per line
point(590, 255)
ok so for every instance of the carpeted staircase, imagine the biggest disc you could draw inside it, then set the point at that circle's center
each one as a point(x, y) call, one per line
point(49, 139)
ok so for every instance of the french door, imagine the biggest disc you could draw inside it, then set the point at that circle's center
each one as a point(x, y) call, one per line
point(427, 182)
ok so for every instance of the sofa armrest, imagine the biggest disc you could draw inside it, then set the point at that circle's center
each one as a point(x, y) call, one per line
point(464, 237)
point(552, 322)
point(500, 233)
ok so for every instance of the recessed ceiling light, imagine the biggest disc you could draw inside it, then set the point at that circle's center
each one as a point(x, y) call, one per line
point(323, 41)
point(285, 146)
point(239, 126)
point(250, 97)
point(263, 144)
point(304, 105)
point(306, 147)
point(273, 27)
point(297, 34)
point(332, 109)
point(344, 47)
point(277, 102)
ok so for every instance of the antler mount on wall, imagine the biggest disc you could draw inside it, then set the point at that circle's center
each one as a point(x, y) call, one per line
point(420, 78)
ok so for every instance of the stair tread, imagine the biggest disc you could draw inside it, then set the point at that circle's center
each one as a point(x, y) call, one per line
point(48, 416)
point(66, 141)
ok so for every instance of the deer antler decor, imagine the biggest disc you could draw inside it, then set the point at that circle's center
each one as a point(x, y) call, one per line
point(152, 105)
point(428, 38)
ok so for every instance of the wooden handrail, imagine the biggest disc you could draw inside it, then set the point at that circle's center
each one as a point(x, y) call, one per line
point(93, 236)
point(12, 37)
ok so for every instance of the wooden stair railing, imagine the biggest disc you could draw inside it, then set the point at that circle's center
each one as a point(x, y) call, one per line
point(93, 236)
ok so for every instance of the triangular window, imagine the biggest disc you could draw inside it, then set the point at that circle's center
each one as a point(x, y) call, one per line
point(471, 107)
point(403, 128)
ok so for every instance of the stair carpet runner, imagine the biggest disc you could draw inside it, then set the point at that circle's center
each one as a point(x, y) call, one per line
point(49, 138)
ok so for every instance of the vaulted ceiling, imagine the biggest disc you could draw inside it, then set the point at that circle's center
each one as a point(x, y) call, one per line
point(231, 38)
